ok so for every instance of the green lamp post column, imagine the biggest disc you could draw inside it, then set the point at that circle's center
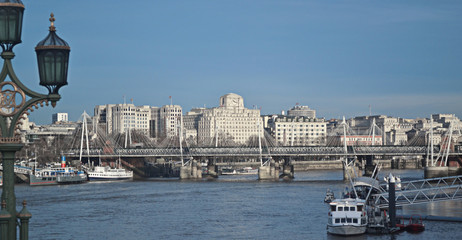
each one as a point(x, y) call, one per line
point(16, 100)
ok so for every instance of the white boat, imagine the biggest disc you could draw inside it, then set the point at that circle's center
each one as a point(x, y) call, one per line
point(329, 196)
point(107, 173)
point(247, 171)
point(100, 173)
point(347, 217)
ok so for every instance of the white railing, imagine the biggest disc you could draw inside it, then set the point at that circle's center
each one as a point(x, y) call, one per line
point(424, 191)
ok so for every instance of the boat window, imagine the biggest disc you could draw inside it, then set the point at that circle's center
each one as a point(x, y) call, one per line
point(343, 220)
point(355, 220)
point(348, 220)
point(363, 220)
point(332, 208)
point(340, 208)
point(360, 208)
point(337, 220)
point(352, 208)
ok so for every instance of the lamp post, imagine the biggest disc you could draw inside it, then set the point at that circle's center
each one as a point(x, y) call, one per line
point(16, 99)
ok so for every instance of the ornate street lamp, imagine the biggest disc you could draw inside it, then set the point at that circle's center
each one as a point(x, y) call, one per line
point(11, 13)
point(16, 100)
point(53, 60)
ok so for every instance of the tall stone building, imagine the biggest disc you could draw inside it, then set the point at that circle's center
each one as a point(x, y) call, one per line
point(103, 117)
point(231, 122)
point(118, 118)
point(169, 117)
point(129, 116)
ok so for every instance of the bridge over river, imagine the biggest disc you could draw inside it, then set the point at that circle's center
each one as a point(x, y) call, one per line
point(255, 152)
point(389, 151)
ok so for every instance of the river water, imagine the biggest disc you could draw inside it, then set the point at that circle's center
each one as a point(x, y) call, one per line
point(231, 207)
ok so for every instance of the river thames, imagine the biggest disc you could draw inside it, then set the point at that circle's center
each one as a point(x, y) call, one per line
point(231, 207)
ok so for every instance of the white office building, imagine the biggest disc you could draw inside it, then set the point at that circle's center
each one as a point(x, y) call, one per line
point(298, 131)
point(231, 122)
point(119, 118)
point(59, 117)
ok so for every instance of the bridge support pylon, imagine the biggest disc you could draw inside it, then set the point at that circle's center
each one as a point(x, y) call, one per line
point(351, 169)
point(369, 167)
point(269, 171)
point(287, 170)
point(212, 169)
point(436, 171)
point(192, 171)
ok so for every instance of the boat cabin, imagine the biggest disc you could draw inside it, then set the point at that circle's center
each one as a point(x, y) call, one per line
point(347, 211)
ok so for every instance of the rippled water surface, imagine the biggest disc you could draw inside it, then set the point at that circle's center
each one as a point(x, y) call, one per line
point(232, 207)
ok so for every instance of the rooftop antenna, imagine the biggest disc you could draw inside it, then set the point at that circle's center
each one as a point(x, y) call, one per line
point(171, 101)
point(125, 102)
point(370, 111)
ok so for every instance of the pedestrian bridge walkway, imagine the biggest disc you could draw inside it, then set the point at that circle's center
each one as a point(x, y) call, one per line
point(424, 191)
point(255, 151)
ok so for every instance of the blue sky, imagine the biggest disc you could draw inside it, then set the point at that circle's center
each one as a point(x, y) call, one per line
point(338, 57)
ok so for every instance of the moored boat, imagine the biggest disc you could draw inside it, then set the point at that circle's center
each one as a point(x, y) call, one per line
point(99, 173)
point(106, 173)
point(57, 175)
point(247, 171)
point(228, 171)
point(415, 224)
point(329, 196)
point(347, 217)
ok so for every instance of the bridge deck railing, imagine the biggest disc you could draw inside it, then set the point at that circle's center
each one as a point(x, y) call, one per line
point(424, 191)
point(253, 151)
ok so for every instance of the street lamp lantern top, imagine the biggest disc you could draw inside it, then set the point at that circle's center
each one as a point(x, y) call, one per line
point(53, 60)
point(52, 41)
point(11, 14)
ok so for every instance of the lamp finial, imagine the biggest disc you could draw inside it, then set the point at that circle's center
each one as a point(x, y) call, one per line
point(52, 20)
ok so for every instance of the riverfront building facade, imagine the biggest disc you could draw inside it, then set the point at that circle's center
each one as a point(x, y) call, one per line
point(230, 123)
point(298, 131)
point(119, 118)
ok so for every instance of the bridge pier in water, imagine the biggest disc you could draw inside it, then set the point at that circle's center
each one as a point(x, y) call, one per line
point(369, 167)
point(287, 170)
point(269, 171)
point(352, 169)
point(191, 171)
point(212, 168)
point(453, 168)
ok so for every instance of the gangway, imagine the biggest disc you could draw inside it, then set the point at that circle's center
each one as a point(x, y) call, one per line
point(423, 191)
